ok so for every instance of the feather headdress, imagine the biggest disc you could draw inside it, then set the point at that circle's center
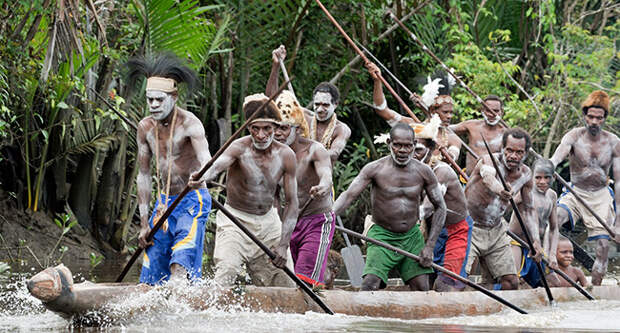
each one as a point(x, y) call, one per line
point(163, 72)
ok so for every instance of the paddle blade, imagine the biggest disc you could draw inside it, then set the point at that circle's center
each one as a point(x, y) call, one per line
point(354, 263)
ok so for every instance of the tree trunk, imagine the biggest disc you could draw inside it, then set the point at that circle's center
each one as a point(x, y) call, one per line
point(365, 133)
point(79, 195)
point(554, 128)
point(109, 190)
point(228, 101)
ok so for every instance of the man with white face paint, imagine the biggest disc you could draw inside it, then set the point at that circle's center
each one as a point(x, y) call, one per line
point(398, 184)
point(489, 127)
point(256, 165)
point(592, 151)
point(487, 201)
point(177, 139)
point(312, 237)
point(324, 124)
point(452, 246)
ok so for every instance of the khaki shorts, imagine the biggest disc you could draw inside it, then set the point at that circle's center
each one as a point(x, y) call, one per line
point(601, 201)
point(492, 247)
point(233, 249)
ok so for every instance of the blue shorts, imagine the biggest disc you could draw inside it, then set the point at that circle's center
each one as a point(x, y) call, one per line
point(182, 243)
point(440, 247)
point(528, 270)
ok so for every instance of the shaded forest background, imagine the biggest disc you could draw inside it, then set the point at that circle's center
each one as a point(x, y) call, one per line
point(67, 139)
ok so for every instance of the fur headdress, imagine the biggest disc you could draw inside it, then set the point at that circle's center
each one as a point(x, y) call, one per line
point(269, 113)
point(163, 72)
point(427, 130)
point(291, 112)
point(597, 98)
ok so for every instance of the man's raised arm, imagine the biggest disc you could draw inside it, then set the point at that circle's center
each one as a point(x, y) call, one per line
point(277, 55)
point(381, 108)
point(357, 186)
point(431, 187)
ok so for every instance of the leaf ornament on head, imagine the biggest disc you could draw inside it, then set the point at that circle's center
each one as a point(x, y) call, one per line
point(431, 91)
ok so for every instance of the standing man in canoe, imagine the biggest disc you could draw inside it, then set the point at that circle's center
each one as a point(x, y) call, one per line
point(452, 245)
point(177, 139)
point(442, 105)
point(490, 128)
point(544, 200)
point(487, 201)
point(398, 183)
point(256, 164)
point(324, 124)
point(312, 237)
point(592, 151)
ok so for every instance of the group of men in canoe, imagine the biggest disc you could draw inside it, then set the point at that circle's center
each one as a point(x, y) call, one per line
point(279, 185)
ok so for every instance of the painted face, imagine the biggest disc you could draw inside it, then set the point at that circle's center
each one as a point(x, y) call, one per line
point(401, 147)
point(286, 134)
point(594, 118)
point(445, 112)
point(422, 150)
point(323, 106)
point(514, 152)
point(490, 117)
point(160, 103)
point(542, 180)
point(262, 133)
point(564, 253)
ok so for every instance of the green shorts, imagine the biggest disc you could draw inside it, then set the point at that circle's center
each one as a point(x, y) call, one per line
point(379, 260)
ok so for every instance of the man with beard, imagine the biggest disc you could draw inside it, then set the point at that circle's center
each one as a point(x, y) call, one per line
point(256, 165)
point(452, 245)
point(177, 139)
point(489, 128)
point(487, 201)
point(591, 152)
point(544, 200)
point(442, 105)
point(324, 124)
point(312, 237)
point(398, 183)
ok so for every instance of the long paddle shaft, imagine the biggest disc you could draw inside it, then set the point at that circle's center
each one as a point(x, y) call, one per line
point(346, 238)
point(559, 272)
point(501, 121)
point(412, 95)
point(526, 232)
point(186, 190)
point(272, 256)
point(435, 266)
point(443, 150)
point(285, 74)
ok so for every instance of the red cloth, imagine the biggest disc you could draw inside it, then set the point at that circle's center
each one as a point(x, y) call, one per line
point(456, 246)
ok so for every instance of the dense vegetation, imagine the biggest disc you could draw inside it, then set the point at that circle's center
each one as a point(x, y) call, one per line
point(66, 135)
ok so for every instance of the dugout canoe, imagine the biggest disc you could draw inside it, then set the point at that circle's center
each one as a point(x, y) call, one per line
point(55, 288)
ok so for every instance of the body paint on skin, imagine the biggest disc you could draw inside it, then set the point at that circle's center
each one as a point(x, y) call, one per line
point(160, 103)
point(263, 145)
point(323, 113)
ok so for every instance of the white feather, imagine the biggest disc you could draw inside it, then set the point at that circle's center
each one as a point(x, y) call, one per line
point(431, 90)
point(382, 138)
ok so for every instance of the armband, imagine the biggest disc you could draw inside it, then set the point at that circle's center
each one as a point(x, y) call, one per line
point(382, 106)
point(397, 118)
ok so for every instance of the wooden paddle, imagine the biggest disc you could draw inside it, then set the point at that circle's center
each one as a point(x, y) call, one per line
point(559, 272)
point(353, 259)
point(186, 190)
point(436, 267)
point(526, 232)
point(272, 256)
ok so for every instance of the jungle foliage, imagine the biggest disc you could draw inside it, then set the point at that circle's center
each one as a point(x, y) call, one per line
point(63, 148)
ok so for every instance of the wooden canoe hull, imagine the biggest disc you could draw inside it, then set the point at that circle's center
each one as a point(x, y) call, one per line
point(87, 297)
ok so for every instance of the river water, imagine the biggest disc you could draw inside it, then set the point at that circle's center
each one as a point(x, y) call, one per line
point(20, 312)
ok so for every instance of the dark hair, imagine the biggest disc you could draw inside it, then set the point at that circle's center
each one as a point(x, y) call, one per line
point(404, 127)
point(165, 65)
point(517, 133)
point(587, 108)
point(329, 88)
point(432, 144)
point(495, 98)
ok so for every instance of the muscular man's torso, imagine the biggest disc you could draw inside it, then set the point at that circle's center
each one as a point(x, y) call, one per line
point(454, 197)
point(253, 178)
point(590, 159)
point(307, 177)
point(543, 204)
point(485, 207)
point(476, 129)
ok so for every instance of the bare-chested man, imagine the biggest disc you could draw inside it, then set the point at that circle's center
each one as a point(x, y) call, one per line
point(489, 127)
point(312, 237)
point(177, 139)
point(487, 201)
point(452, 245)
point(443, 106)
point(544, 200)
point(324, 124)
point(256, 164)
point(398, 183)
point(592, 152)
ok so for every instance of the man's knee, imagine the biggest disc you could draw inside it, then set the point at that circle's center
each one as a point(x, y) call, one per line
point(509, 282)
point(419, 283)
point(602, 248)
point(371, 282)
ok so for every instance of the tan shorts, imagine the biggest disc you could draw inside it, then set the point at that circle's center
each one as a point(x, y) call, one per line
point(601, 201)
point(492, 247)
point(233, 249)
